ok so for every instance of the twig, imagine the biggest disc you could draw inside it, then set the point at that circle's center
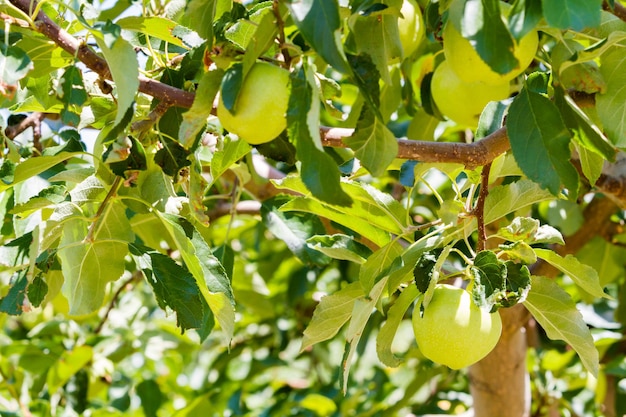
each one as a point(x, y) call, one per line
point(112, 192)
point(32, 120)
point(479, 209)
point(136, 275)
point(250, 207)
point(96, 63)
point(281, 32)
point(157, 112)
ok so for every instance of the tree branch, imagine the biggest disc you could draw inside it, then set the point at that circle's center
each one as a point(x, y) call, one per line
point(479, 209)
point(32, 120)
point(471, 155)
point(95, 62)
point(618, 10)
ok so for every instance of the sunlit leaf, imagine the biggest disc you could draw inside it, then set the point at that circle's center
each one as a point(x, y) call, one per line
point(68, 365)
point(572, 14)
point(331, 314)
point(540, 142)
point(387, 332)
point(556, 312)
point(583, 275)
point(362, 310)
point(612, 104)
point(90, 265)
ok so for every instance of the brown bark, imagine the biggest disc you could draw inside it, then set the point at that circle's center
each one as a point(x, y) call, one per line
point(499, 383)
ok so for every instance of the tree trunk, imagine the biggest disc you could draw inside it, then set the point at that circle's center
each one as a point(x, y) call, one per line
point(500, 383)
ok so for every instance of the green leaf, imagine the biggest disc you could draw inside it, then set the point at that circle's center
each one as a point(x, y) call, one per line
point(122, 60)
point(231, 84)
point(524, 17)
point(172, 157)
point(131, 156)
point(361, 313)
point(70, 362)
point(321, 405)
point(151, 396)
point(7, 171)
point(206, 270)
point(340, 246)
point(604, 257)
point(201, 14)
point(47, 197)
point(395, 315)
point(319, 172)
point(612, 104)
point(489, 274)
point(72, 143)
point(263, 36)
point(572, 14)
point(556, 312)
point(32, 167)
point(505, 199)
point(37, 290)
point(583, 275)
point(373, 143)
point(72, 92)
point(376, 34)
point(372, 215)
point(529, 230)
point(195, 119)
point(380, 265)
point(154, 27)
point(224, 158)
point(424, 268)
point(331, 314)
point(320, 24)
point(520, 251)
point(173, 286)
point(517, 284)
point(540, 142)
point(481, 23)
point(89, 266)
point(88, 191)
point(294, 229)
point(13, 302)
point(587, 133)
point(15, 64)
point(367, 78)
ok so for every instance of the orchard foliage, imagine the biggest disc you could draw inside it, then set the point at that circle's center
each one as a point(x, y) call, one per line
point(127, 207)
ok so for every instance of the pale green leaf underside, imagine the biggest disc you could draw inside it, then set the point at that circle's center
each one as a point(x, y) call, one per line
point(363, 308)
point(612, 104)
point(89, 266)
point(583, 275)
point(387, 332)
point(556, 312)
point(331, 314)
point(505, 199)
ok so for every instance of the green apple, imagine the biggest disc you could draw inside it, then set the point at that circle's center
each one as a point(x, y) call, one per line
point(453, 331)
point(470, 67)
point(410, 26)
point(260, 111)
point(461, 101)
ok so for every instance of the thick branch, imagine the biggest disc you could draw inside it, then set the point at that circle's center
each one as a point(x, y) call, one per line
point(471, 155)
point(96, 63)
point(619, 10)
point(32, 120)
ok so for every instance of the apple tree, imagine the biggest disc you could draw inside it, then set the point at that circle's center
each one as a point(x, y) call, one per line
point(313, 207)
